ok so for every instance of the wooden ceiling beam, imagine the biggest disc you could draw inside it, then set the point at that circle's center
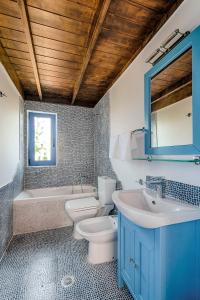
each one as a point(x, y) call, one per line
point(94, 36)
point(4, 59)
point(29, 39)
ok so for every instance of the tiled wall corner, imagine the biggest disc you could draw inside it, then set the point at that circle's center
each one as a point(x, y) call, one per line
point(102, 139)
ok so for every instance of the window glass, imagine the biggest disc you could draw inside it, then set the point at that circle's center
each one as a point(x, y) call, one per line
point(42, 139)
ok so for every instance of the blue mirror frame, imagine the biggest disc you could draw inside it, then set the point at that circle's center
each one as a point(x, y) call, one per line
point(190, 41)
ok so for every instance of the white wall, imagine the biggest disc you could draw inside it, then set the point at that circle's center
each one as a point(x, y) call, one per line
point(9, 129)
point(127, 105)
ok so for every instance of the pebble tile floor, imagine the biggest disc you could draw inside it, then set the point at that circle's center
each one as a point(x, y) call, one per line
point(35, 264)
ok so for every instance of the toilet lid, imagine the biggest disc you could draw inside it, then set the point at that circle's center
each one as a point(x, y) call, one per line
point(84, 203)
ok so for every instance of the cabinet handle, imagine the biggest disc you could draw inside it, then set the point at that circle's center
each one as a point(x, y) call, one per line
point(131, 260)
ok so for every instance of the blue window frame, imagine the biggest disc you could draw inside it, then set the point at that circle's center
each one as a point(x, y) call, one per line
point(41, 139)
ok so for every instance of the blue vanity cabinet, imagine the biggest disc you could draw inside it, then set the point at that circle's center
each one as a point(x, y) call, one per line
point(159, 264)
point(136, 261)
point(127, 246)
point(144, 263)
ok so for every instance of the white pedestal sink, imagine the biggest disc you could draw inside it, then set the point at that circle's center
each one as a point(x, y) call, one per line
point(144, 208)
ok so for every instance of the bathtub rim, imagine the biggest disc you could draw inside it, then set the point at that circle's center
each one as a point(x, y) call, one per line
point(69, 196)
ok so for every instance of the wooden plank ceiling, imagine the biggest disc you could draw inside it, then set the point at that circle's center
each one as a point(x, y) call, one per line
point(72, 51)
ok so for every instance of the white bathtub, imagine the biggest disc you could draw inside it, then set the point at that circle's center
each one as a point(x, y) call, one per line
point(42, 209)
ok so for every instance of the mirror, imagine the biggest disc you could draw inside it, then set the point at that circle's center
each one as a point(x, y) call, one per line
point(171, 103)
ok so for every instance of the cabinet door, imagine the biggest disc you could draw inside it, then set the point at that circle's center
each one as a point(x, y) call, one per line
point(127, 253)
point(144, 264)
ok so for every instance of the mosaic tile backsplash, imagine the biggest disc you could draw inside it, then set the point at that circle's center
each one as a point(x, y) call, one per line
point(75, 147)
point(181, 191)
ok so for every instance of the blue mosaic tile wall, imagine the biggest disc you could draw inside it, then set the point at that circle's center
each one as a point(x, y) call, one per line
point(181, 191)
point(75, 147)
point(102, 139)
point(8, 193)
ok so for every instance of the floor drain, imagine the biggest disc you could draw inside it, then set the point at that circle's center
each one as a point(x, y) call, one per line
point(67, 281)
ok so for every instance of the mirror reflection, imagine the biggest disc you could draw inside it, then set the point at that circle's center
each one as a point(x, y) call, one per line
point(171, 103)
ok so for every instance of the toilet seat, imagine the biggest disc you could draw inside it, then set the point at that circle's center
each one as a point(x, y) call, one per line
point(82, 204)
point(80, 209)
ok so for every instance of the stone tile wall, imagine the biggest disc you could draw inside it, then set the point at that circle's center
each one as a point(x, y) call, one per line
point(75, 147)
point(82, 146)
point(102, 140)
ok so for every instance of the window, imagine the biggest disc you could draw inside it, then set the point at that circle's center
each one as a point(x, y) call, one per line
point(42, 139)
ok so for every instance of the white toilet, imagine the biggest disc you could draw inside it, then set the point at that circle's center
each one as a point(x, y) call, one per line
point(81, 209)
point(101, 232)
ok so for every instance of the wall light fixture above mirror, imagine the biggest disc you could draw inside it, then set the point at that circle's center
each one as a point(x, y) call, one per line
point(175, 37)
point(172, 100)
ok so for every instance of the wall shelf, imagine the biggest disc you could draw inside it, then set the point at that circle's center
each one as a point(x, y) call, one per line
point(196, 161)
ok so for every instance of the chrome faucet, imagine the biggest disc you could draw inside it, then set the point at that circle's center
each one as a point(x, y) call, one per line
point(160, 185)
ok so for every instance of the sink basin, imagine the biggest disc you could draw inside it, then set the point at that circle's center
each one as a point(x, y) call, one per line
point(146, 209)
